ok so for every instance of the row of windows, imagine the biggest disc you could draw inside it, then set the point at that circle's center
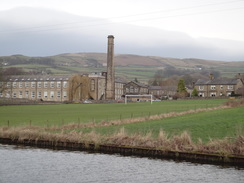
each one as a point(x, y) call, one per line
point(119, 85)
point(40, 84)
point(133, 89)
point(33, 94)
point(214, 94)
point(119, 91)
point(213, 87)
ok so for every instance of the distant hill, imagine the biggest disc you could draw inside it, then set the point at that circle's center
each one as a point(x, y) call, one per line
point(127, 66)
point(127, 60)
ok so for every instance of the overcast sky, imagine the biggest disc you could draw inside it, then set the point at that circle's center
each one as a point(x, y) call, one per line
point(195, 23)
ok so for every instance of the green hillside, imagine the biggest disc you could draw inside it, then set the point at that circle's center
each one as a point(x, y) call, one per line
point(127, 67)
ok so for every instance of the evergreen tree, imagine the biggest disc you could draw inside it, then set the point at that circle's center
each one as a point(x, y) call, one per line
point(181, 89)
point(194, 93)
point(181, 86)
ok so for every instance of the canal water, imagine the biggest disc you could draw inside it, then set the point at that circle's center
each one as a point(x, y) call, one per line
point(20, 164)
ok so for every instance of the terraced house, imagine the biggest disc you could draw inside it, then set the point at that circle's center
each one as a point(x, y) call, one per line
point(219, 87)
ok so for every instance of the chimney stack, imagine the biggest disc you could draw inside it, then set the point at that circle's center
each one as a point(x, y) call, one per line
point(110, 81)
point(211, 76)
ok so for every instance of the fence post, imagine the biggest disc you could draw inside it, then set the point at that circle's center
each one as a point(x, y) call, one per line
point(8, 123)
point(30, 122)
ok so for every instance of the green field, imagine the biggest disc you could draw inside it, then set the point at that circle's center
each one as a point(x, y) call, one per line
point(215, 124)
point(205, 125)
point(20, 115)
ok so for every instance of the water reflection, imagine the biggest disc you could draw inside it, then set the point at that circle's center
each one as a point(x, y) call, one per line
point(21, 164)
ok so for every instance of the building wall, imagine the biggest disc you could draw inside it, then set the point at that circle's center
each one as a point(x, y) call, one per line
point(218, 90)
point(34, 88)
point(97, 87)
point(119, 90)
point(133, 88)
point(73, 88)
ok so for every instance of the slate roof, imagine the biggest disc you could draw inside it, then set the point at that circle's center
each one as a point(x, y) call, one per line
point(39, 78)
point(168, 88)
point(217, 82)
point(138, 84)
point(155, 88)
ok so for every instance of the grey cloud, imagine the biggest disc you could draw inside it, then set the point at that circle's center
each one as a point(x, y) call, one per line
point(41, 32)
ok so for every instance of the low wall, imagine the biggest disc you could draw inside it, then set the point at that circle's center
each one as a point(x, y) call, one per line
point(139, 151)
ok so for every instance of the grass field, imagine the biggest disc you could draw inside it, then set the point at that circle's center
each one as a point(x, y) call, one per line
point(42, 115)
point(214, 124)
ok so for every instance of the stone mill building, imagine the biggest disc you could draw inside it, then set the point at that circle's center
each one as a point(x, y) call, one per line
point(72, 88)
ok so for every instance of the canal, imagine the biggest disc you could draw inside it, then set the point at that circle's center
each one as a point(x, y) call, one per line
point(29, 165)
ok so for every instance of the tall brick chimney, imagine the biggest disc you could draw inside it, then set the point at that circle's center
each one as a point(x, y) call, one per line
point(110, 81)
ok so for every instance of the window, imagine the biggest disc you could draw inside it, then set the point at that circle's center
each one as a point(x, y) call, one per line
point(20, 84)
point(45, 94)
point(65, 84)
point(8, 84)
point(201, 87)
point(212, 94)
point(131, 89)
point(33, 84)
point(33, 94)
point(39, 84)
point(14, 84)
point(230, 87)
point(52, 94)
point(213, 87)
point(221, 87)
point(92, 85)
point(58, 94)
point(1, 94)
point(39, 94)
point(201, 94)
point(27, 84)
point(228, 94)
point(58, 84)
point(14, 95)
point(45, 84)
point(26, 94)
point(52, 84)
point(20, 94)
point(64, 94)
